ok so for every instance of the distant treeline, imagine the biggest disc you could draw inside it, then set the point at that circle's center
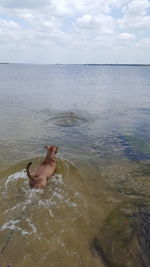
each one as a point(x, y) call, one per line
point(117, 64)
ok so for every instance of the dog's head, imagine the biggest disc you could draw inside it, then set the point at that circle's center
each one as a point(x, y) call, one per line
point(52, 149)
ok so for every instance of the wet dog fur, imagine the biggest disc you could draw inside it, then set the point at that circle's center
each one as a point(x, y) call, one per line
point(38, 177)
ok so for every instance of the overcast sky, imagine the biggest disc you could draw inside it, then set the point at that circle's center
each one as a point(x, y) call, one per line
point(75, 31)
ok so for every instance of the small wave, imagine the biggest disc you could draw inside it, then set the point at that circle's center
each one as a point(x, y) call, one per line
point(68, 119)
point(57, 179)
point(15, 176)
point(26, 207)
point(13, 225)
point(18, 205)
point(10, 225)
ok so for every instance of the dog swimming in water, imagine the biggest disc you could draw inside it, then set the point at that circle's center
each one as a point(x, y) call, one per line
point(39, 176)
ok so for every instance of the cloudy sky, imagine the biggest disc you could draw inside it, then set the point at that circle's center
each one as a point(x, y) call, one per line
point(75, 31)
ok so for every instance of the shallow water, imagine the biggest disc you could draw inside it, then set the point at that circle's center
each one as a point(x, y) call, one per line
point(99, 119)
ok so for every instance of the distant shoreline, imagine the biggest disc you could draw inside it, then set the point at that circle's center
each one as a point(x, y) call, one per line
point(117, 64)
point(82, 64)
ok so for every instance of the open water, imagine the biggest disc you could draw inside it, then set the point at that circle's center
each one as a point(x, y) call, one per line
point(95, 210)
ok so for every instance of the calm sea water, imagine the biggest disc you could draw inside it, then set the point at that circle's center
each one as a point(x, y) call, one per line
point(98, 116)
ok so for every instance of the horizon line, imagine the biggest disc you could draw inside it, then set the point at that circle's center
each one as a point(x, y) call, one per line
point(86, 64)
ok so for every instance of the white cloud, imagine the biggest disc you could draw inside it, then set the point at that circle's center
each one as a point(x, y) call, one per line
point(144, 43)
point(126, 36)
point(23, 3)
point(72, 25)
point(117, 3)
point(135, 15)
point(101, 23)
point(84, 20)
point(9, 24)
point(9, 30)
point(136, 8)
point(135, 23)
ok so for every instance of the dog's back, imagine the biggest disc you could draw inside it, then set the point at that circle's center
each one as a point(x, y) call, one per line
point(38, 177)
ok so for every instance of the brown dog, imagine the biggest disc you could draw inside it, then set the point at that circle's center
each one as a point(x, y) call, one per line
point(39, 177)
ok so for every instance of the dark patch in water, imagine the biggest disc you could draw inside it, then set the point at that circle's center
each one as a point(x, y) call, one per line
point(142, 170)
point(144, 110)
point(135, 147)
point(124, 239)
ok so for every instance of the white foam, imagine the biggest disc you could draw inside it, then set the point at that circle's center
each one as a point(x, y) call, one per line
point(50, 212)
point(57, 179)
point(12, 225)
point(15, 176)
point(58, 195)
point(13, 208)
point(46, 203)
point(71, 204)
point(34, 229)
point(34, 192)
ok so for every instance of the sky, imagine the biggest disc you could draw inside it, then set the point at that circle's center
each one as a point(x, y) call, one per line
point(75, 31)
